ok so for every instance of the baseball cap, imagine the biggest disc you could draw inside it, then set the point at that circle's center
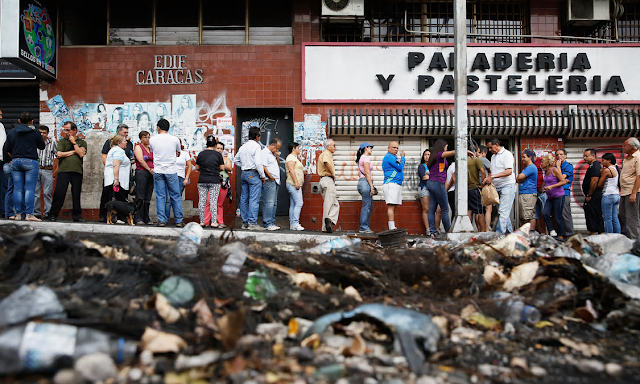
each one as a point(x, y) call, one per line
point(364, 145)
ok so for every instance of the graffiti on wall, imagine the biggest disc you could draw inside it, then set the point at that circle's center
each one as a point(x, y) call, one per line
point(311, 135)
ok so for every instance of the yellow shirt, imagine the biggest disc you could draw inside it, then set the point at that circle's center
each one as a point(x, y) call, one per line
point(327, 157)
point(297, 167)
point(630, 171)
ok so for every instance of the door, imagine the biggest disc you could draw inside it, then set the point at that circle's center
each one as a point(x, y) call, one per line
point(273, 123)
point(15, 99)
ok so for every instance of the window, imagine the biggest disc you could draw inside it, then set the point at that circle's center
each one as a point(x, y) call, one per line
point(626, 28)
point(270, 22)
point(84, 23)
point(223, 23)
point(130, 22)
point(177, 23)
point(432, 21)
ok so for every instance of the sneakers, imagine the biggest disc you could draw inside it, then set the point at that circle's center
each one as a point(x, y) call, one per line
point(297, 228)
point(119, 222)
point(180, 225)
point(245, 226)
point(367, 232)
point(327, 225)
point(273, 227)
point(254, 227)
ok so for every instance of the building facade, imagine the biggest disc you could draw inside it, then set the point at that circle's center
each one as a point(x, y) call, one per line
point(542, 75)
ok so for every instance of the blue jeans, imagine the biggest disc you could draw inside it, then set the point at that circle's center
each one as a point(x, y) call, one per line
point(295, 205)
point(163, 184)
point(610, 205)
point(542, 199)
point(25, 176)
point(250, 197)
point(269, 203)
point(507, 194)
point(367, 204)
point(556, 206)
point(438, 196)
point(168, 201)
point(9, 210)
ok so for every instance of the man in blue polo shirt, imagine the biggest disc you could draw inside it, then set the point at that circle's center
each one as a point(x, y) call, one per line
point(528, 194)
point(392, 166)
point(567, 171)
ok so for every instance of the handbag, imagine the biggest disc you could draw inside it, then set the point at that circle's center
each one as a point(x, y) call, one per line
point(490, 195)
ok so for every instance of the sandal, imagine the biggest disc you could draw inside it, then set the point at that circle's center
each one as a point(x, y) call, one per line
point(214, 226)
point(140, 223)
point(11, 218)
point(32, 218)
point(222, 226)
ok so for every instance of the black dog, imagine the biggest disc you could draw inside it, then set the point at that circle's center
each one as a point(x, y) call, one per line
point(122, 208)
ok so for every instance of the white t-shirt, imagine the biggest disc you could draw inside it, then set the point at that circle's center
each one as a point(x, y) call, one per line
point(500, 162)
point(164, 147)
point(271, 163)
point(181, 163)
point(117, 153)
point(450, 172)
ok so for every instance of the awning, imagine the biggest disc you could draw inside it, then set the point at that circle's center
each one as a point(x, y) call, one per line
point(582, 123)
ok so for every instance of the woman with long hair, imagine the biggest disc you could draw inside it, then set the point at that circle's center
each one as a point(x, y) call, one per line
point(144, 177)
point(553, 182)
point(295, 180)
point(365, 185)
point(610, 183)
point(209, 163)
point(437, 176)
point(423, 191)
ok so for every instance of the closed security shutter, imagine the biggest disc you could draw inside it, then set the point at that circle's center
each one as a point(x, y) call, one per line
point(17, 99)
point(347, 170)
point(575, 149)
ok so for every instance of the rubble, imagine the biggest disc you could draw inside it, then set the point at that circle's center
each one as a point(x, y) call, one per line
point(351, 311)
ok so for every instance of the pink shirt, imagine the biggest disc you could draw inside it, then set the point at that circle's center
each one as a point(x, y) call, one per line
point(361, 164)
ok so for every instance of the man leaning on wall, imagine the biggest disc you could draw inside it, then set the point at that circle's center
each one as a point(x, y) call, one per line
point(327, 173)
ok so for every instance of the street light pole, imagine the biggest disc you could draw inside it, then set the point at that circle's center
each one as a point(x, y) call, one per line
point(461, 222)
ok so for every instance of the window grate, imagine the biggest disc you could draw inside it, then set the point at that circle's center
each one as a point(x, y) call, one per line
point(628, 30)
point(384, 22)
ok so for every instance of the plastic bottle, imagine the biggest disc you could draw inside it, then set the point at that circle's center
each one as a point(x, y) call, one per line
point(39, 346)
point(238, 212)
point(236, 256)
point(512, 309)
point(338, 243)
point(626, 269)
point(177, 290)
point(189, 240)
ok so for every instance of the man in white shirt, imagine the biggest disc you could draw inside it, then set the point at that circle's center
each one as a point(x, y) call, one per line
point(249, 159)
point(3, 176)
point(166, 148)
point(270, 187)
point(502, 176)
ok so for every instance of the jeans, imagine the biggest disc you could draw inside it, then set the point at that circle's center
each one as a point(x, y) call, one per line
point(610, 205)
point(269, 203)
point(542, 199)
point(163, 184)
point(438, 196)
point(9, 210)
point(144, 192)
point(367, 204)
point(556, 206)
point(3, 187)
point(59, 194)
point(507, 194)
point(168, 201)
point(45, 179)
point(295, 205)
point(25, 176)
point(250, 198)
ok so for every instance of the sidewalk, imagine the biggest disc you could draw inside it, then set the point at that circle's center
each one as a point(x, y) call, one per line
point(281, 236)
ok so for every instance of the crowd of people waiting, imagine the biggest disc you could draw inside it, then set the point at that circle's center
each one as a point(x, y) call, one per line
point(162, 165)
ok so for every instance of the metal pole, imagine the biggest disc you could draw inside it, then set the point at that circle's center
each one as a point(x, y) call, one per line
point(461, 222)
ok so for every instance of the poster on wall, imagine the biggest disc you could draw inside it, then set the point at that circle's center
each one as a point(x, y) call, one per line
point(137, 119)
point(59, 108)
point(183, 114)
point(98, 115)
point(82, 117)
point(116, 114)
point(158, 111)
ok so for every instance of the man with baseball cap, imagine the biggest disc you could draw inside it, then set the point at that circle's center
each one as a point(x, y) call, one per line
point(392, 166)
point(528, 193)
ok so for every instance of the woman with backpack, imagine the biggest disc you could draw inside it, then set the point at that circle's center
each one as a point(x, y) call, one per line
point(610, 183)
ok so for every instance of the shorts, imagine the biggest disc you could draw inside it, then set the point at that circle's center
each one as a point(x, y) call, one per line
point(392, 193)
point(475, 201)
point(423, 192)
point(542, 198)
point(527, 204)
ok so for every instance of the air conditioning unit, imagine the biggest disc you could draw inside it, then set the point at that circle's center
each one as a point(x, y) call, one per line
point(586, 13)
point(343, 8)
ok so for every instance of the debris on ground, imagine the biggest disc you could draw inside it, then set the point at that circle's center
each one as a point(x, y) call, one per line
point(517, 308)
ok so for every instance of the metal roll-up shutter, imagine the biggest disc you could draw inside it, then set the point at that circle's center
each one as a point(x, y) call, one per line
point(17, 99)
point(347, 171)
point(575, 149)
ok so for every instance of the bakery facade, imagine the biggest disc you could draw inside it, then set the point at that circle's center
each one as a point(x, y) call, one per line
point(539, 77)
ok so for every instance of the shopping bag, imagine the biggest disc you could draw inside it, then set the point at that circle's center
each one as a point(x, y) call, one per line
point(490, 195)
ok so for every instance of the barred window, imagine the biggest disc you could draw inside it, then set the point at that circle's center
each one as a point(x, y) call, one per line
point(625, 29)
point(432, 21)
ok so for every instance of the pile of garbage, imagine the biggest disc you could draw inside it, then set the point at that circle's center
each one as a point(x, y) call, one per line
point(520, 308)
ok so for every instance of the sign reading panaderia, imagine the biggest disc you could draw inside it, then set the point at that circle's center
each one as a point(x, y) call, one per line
point(500, 74)
point(169, 69)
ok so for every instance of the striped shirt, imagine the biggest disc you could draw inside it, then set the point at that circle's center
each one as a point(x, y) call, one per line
point(47, 155)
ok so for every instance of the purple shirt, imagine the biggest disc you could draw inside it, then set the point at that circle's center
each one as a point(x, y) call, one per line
point(556, 192)
point(438, 171)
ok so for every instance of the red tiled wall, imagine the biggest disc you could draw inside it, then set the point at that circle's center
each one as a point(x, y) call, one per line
point(545, 20)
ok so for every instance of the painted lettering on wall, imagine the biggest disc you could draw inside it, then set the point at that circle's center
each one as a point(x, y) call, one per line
point(169, 69)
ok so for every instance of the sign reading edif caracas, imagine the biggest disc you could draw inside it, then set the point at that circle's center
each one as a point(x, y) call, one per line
point(501, 74)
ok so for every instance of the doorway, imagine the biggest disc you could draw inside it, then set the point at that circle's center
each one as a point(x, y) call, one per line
point(273, 123)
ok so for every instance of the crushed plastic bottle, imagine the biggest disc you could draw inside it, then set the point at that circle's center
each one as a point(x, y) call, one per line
point(342, 242)
point(259, 286)
point(28, 302)
point(512, 309)
point(39, 346)
point(236, 256)
point(177, 290)
point(189, 240)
